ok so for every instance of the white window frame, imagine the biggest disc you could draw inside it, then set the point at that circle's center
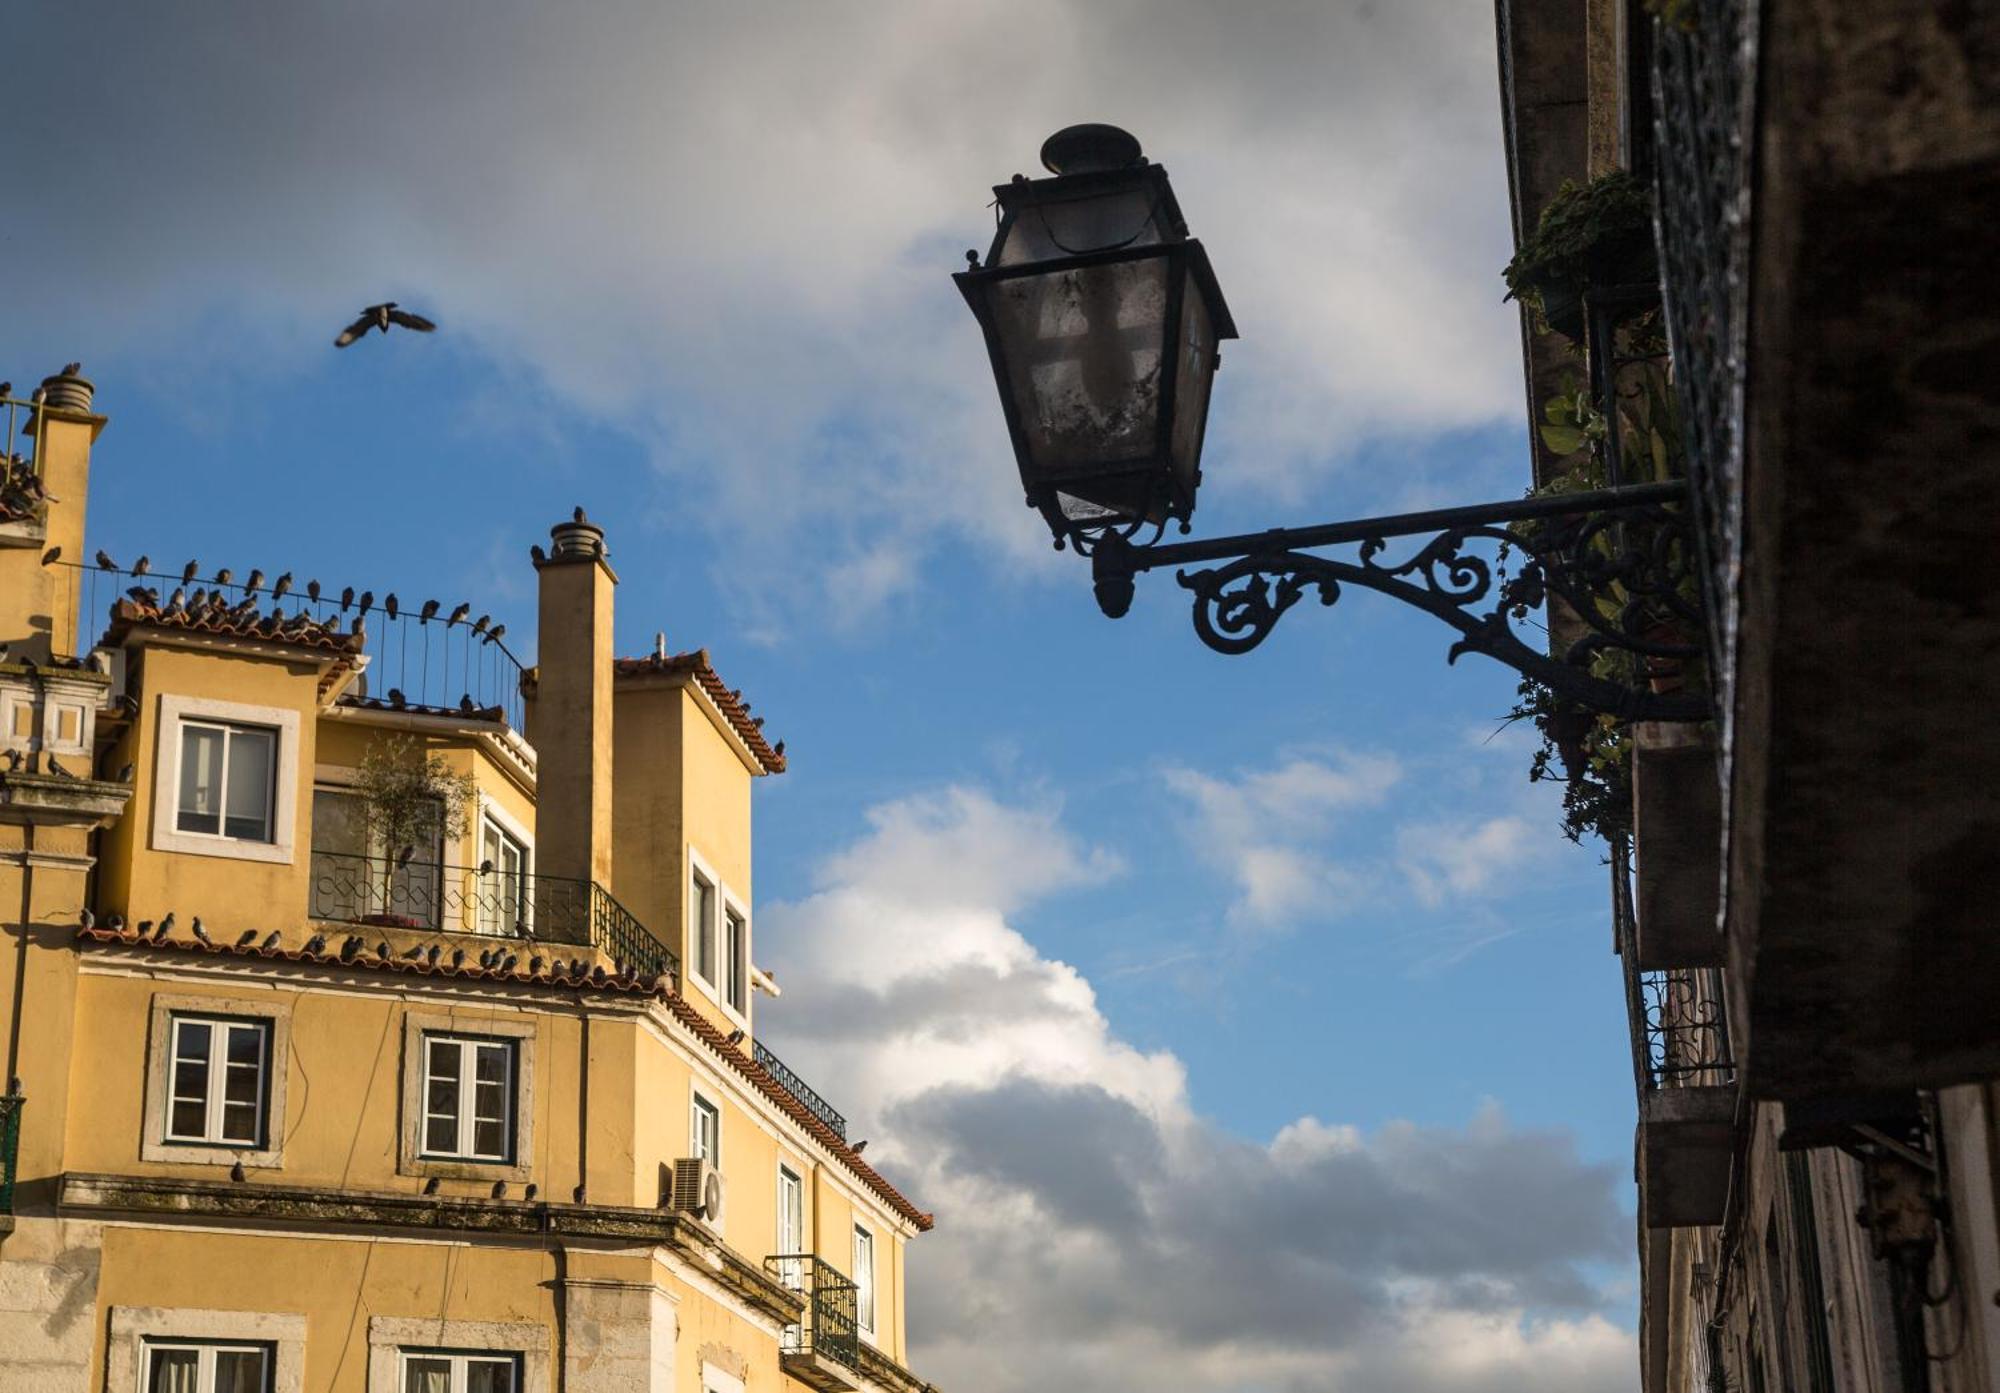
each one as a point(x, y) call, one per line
point(219, 1029)
point(469, 1048)
point(504, 823)
point(702, 921)
point(134, 1330)
point(176, 710)
point(700, 1107)
point(412, 1156)
point(730, 977)
point(274, 1012)
point(864, 1290)
point(206, 1352)
point(391, 1337)
point(460, 1361)
point(732, 942)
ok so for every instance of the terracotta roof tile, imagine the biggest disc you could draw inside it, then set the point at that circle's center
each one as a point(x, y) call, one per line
point(299, 630)
point(734, 709)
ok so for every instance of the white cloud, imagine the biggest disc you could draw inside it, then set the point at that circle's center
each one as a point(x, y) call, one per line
point(1458, 859)
point(726, 230)
point(1094, 1230)
point(1266, 830)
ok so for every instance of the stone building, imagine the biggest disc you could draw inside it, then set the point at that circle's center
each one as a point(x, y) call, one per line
point(381, 1015)
point(1803, 897)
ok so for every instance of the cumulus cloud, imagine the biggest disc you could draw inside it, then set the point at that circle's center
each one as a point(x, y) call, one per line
point(1095, 1230)
point(1267, 829)
point(1456, 858)
point(725, 230)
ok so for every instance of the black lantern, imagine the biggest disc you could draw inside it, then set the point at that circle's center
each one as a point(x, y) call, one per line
point(1102, 318)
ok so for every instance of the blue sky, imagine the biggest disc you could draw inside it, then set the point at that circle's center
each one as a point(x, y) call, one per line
point(693, 275)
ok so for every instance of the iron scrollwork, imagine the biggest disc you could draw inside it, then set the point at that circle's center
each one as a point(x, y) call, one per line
point(1618, 564)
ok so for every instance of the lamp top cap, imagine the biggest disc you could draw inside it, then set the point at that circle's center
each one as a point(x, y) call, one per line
point(1090, 149)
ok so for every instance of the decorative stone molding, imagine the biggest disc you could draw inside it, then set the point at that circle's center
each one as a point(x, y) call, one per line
point(124, 1365)
point(410, 1159)
point(389, 1336)
point(274, 1009)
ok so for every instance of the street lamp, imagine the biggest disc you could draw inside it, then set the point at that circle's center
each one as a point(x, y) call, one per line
point(1102, 319)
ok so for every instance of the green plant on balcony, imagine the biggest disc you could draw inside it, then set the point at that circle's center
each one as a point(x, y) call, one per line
point(1590, 236)
point(412, 798)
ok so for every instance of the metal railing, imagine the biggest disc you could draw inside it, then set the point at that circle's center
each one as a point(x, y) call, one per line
point(830, 1326)
point(354, 889)
point(425, 657)
point(20, 464)
point(1704, 114)
point(10, 1147)
point(1678, 1019)
point(798, 1088)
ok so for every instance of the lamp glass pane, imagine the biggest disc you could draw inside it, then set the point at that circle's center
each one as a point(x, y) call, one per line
point(1083, 357)
point(1196, 377)
point(1103, 221)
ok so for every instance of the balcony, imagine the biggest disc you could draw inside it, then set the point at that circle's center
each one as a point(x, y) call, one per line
point(823, 1351)
point(1685, 1074)
point(796, 1086)
point(10, 1155)
point(351, 889)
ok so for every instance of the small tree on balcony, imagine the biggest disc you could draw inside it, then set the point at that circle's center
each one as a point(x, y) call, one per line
point(412, 796)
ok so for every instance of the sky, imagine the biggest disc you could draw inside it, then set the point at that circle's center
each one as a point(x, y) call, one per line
point(1247, 1021)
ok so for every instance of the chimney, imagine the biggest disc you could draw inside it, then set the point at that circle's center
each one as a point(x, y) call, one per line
point(39, 604)
point(571, 722)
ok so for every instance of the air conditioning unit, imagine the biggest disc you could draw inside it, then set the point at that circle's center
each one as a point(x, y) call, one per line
point(698, 1190)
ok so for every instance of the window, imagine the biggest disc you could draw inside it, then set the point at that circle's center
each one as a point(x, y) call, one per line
point(736, 961)
point(705, 1133)
point(701, 931)
point(791, 1229)
point(445, 1371)
point(864, 1279)
point(355, 877)
point(227, 781)
point(187, 1367)
point(215, 1093)
point(468, 1098)
point(503, 870)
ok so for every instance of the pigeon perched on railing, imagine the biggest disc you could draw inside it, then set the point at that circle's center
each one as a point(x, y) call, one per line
point(381, 317)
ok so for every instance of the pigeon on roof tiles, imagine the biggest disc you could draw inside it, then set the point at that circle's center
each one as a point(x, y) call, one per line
point(166, 927)
point(457, 958)
point(399, 701)
point(85, 919)
point(246, 938)
point(145, 929)
point(380, 317)
point(116, 923)
point(316, 945)
point(436, 952)
point(178, 600)
point(200, 933)
point(271, 942)
point(465, 706)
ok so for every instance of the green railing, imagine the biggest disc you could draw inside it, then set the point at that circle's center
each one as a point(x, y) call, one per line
point(829, 1327)
point(10, 1147)
point(354, 889)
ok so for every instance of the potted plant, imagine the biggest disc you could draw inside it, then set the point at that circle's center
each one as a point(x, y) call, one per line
point(412, 797)
point(1591, 236)
point(1590, 753)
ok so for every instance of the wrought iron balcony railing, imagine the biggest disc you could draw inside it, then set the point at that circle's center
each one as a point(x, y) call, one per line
point(353, 889)
point(797, 1087)
point(1678, 1020)
point(830, 1327)
point(10, 1148)
point(426, 657)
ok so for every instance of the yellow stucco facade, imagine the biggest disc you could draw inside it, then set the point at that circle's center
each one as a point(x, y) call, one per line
point(429, 1117)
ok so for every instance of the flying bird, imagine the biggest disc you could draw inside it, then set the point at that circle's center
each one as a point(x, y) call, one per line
point(381, 317)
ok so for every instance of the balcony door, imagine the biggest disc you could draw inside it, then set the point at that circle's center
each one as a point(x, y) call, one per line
point(356, 878)
point(503, 879)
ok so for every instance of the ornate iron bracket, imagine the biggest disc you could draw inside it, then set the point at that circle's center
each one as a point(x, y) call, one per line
point(1618, 564)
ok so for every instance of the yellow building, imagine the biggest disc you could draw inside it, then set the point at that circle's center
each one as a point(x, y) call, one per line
point(300, 1099)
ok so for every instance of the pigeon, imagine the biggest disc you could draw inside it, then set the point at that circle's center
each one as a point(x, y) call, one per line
point(282, 586)
point(104, 560)
point(435, 953)
point(382, 950)
point(431, 1186)
point(578, 516)
point(312, 591)
point(399, 701)
point(494, 634)
point(145, 929)
point(465, 706)
point(457, 616)
point(351, 946)
point(415, 953)
point(224, 576)
point(236, 1172)
point(14, 758)
point(248, 937)
point(126, 772)
point(531, 1191)
point(316, 945)
point(537, 555)
point(381, 317)
point(499, 1189)
point(271, 942)
point(513, 961)
point(200, 933)
point(166, 927)
point(736, 1036)
point(178, 600)
point(6, 389)
point(142, 565)
point(389, 604)
point(428, 612)
point(55, 767)
point(367, 601)
point(85, 919)
point(479, 624)
point(577, 1193)
point(858, 1147)
point(457, 958)
point(256, 581)
point(536, 964)
point(51, 556)
point(346, 597)
point(144, 594)
point(189, 572)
